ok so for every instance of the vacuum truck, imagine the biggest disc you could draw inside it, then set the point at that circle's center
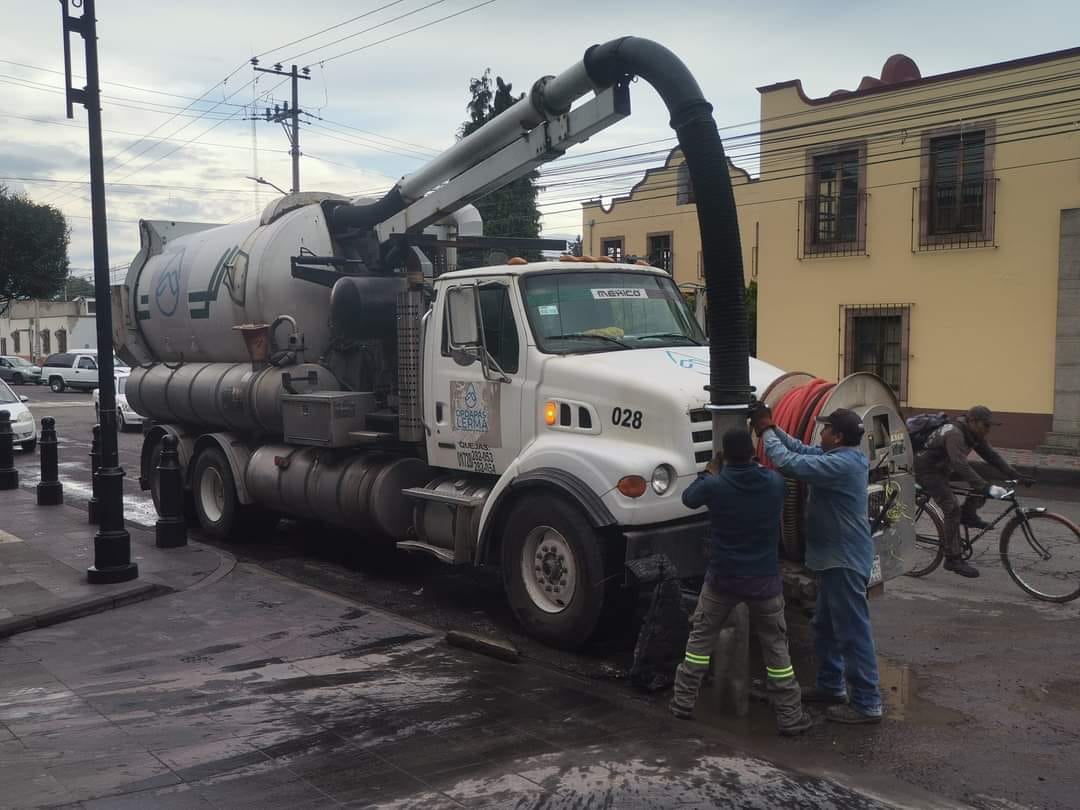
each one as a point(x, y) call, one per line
point(326, 362)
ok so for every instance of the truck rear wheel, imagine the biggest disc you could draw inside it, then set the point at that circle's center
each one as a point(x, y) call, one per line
point(214, 488)
point(57, 385)
point(217, 505)
point(553, 571)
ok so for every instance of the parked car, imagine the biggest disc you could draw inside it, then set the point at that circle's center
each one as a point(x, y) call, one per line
point(22, 421)
point(18, 371)
point(126, 417)
point(77, 370)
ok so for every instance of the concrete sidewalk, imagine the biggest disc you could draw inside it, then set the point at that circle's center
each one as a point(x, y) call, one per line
point(1045, 468)
point(250, 690)
point(44, 554)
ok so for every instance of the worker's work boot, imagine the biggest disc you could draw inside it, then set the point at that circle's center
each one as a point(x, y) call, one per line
point(961, 567)
point(815, 694)
point(681, 712)
point(800, 726)
point(850, 716)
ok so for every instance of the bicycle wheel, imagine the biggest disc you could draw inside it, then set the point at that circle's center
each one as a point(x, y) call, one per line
point(1041, 552)
point(929, 530)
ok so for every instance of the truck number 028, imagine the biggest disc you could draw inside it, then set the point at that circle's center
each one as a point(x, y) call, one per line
point(624, 417)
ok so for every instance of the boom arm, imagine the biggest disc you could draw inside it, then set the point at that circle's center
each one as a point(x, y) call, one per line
point(546, 142)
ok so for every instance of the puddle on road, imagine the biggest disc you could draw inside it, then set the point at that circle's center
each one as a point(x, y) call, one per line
point(899, 691)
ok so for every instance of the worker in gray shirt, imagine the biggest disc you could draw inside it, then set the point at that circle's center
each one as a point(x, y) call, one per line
point(840, 551)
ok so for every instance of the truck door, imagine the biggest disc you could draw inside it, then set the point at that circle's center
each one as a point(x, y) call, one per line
point(476, 419)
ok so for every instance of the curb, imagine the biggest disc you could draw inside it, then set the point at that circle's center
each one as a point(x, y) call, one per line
point(78, 608)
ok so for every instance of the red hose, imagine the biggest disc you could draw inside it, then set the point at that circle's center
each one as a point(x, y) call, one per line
point(797, 410)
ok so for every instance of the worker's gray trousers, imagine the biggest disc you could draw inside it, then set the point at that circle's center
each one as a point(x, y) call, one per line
point(767, 620)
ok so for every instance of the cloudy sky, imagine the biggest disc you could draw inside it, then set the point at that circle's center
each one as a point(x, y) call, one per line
point(177, 87)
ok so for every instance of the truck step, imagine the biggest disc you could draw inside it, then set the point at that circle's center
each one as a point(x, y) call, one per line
point(443, 554)
point(450, 499)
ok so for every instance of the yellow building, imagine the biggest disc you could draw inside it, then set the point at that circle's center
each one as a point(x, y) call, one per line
point(924, 228)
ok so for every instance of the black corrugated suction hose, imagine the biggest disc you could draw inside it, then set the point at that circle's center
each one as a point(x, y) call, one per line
point(721, 250)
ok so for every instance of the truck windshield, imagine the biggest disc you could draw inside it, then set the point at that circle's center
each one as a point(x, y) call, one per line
point(574, 311)
point(7, 396)
point(18, 361)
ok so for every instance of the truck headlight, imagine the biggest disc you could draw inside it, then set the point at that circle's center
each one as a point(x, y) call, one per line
point(662, 477)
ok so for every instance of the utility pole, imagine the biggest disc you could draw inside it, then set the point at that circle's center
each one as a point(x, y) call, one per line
point(283, 113)
point(112, 543)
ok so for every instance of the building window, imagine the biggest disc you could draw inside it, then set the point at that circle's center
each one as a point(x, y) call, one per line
point(833, 213)
point(46, 342)
point(15, 342)
point(61, 340)
point(685, 186)
point(91, 306)
point(876, 339)
point(3, 345)
point(660, 254)
point(956, 200)
point(612, 248)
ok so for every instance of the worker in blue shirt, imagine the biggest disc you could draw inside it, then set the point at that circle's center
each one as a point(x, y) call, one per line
point(745, 503)
point(840, 551)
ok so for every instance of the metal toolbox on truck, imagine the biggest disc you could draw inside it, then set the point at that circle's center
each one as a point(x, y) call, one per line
point(325, 418)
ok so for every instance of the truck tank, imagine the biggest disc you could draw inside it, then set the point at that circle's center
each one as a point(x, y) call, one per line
point(192, 283)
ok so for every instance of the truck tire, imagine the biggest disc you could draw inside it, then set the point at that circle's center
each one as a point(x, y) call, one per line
point(553, 571)
point(218, 507)
point(57, 384)
point(214, 488)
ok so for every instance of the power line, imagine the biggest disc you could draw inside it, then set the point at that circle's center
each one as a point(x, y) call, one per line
point(51, 122)
point(328, 29)
point(114, 84)
point(692, 209)
point(383, 24)
point(409, 31)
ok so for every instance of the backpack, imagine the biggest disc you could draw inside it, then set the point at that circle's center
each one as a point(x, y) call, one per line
point(922, 426)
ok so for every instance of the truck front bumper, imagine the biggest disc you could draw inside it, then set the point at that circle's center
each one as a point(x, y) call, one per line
point(683, 542)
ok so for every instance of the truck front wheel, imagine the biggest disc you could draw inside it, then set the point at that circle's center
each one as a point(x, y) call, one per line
point(553, 571)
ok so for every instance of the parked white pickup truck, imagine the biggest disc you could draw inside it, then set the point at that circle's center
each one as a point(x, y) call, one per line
point(76, 370)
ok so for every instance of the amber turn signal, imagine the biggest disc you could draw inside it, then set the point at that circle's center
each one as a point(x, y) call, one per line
point(632, 486)
point(550, 412)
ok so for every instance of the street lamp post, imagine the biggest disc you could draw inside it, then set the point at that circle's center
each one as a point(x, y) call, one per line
point(112, 543)
point(263, 181)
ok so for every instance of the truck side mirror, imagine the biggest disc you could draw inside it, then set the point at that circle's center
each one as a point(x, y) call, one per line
point(462, 311)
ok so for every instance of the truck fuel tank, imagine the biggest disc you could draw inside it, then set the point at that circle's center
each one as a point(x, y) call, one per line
point(223, 396)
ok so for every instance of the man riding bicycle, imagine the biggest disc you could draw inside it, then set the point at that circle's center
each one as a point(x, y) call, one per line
point(945, 456)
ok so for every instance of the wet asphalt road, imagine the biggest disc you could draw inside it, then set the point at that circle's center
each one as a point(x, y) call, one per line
point(979, 677)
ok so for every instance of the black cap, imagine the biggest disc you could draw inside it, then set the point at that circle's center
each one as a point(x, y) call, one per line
point(844, 421)
point(980, 413)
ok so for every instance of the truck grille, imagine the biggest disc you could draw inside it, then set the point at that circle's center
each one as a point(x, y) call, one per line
point(701, 436)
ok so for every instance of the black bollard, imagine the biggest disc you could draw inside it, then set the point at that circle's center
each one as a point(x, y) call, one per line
point(170, 529)
point(95, 465)
point(9, 476)
point(50, 491)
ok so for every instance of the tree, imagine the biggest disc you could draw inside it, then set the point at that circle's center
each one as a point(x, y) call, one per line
point(510, 210)
point(75, 287)
point(33, 249)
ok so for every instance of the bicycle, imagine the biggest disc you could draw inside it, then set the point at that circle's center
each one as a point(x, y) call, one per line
point(1039, 549)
